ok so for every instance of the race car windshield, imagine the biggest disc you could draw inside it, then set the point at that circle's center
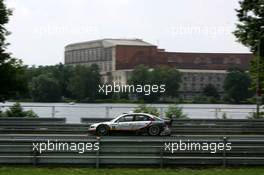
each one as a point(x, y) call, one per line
point(157, 118)
point(113, 120)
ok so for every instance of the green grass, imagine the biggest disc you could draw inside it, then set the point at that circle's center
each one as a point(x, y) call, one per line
point(125, 171)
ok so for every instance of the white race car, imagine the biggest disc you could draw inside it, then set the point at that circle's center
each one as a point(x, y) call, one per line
point(135, 123)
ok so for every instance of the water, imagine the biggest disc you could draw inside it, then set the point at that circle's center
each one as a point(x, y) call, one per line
point(73, 113)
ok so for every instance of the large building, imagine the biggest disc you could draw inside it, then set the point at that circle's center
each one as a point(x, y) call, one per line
point(117, 58)
point(109, 54)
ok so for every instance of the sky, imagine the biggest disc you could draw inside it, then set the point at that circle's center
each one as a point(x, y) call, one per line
point(41, 29)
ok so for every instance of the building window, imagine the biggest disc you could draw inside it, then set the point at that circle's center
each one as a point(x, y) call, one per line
point(106, 66)
point(238, 61)
point(96, 55)
point(90, 55)
point(82, 56)
point(110, 66)
point(93, 55)
point(99, 54)
point(86, 55)
point(78, 56)
point(108, 54)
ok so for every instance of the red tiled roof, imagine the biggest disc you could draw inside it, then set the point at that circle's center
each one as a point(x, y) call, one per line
point(216, 61)
point(128, 57)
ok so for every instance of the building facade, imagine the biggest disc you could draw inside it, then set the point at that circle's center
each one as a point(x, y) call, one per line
point(117, 58)
point(109, 54)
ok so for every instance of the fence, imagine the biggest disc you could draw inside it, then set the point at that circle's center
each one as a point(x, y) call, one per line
point(73, 113)
point(179, 126)
point(134, 151)
point(18, 121)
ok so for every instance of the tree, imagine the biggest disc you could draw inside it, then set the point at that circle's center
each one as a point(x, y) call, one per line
point(250, 32)
point(141, 76)
point(211, 91)
point(17, 111)
point(168, 76)
point(254, 69)
point(163, 75)
point(254, 115)
point(251, 19)
point(62, 73)
point(143, 108)
point(11, 71)
point(237, 86)
point(45, 88)
point(85, 82)
point(175, 112)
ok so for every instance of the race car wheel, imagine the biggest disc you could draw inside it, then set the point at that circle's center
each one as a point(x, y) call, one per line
point(154, 130)
point(102, 130)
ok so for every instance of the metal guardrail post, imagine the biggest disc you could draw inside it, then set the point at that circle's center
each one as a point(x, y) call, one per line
point(35, 159)
point(252, 157)
point(216, 112)
point(53, 111)
point(98, 154)
point(161, 156)
point(107, 111)
point(161, 112)
point(224, 152)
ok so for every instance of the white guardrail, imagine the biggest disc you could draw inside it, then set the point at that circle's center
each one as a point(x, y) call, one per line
point(73, 113)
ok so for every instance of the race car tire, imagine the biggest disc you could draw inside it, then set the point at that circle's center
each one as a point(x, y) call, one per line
point(102, 130)
point(154, 130)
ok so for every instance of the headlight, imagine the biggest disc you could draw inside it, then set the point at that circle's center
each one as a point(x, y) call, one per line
point(92, 126)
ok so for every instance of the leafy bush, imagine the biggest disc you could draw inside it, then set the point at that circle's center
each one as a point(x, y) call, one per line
point(201, 99)
point(147, 109)
point(45, 88)
point(175, 112)
point(237, 86)
point(17, 111)
point(224, 116)
point(254, 115)
point(211, 91)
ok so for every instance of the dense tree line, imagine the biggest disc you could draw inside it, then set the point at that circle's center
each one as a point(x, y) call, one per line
point(237, 89)
point(237, 86)
point(11, 72)
point(64, 83)
point(81, 83)
point(250, 32)
point(61, 83)
point(169, 77)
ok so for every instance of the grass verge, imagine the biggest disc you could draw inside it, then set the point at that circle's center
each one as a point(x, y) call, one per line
point(126, 171)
